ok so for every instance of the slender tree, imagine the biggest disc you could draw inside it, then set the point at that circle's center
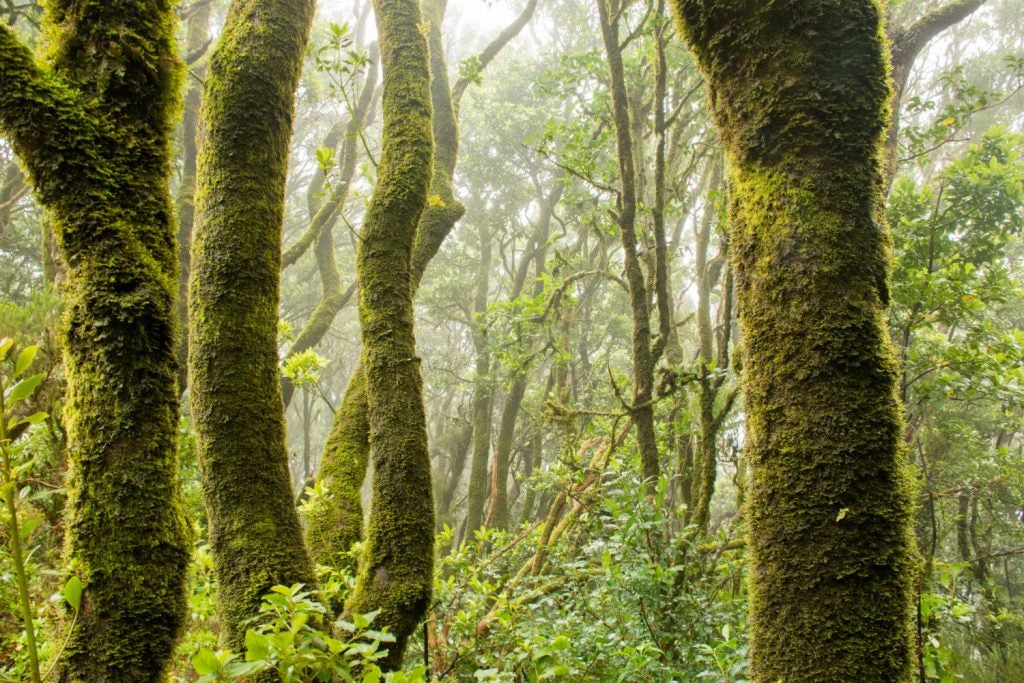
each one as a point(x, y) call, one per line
point(335, 525)
point(396, 570)
point(92, 128)
point(197, 41)
point(800, 93)
point(645, 357)
point(234, 291)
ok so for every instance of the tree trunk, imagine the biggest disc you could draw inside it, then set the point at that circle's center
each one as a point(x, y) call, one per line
point(236, 396)
point(337, 523)
point(396, 570)
point(93, 132)
point(800, 91)
point(198, 35)
point(642, 410)
point(483, 394)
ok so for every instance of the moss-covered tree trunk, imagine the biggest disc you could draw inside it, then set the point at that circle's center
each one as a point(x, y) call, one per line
point(396, 571)
point(92, 129)
point(234, 290)
point(800, 92)
point(337, 522)
point(197, 40)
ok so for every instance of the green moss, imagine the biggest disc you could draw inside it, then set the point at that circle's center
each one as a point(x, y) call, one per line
point(96, 148)
point(396, 572)
point(234, 291)
point(345, 457)
point(336, 522)
point(800, 92)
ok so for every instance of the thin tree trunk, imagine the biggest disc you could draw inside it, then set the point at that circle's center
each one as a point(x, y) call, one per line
point(197, 37)
point(483, 393)
point(642, 410)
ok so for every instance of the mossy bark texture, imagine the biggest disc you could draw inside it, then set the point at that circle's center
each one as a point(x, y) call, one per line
point(234, 289)
point(332, 528)
point(197, 39)
point(800, 92)
point(92, 129)
point(396, 572)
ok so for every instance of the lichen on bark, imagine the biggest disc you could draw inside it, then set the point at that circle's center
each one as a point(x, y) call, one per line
point(800, 93)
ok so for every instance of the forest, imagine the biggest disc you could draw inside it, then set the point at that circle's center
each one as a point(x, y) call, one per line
point(512, 340)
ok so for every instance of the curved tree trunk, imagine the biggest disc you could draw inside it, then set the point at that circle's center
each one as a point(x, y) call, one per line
point(93, 133)
point(236, 396)
point(337, 522)
point(800, 92)
point(396, 570)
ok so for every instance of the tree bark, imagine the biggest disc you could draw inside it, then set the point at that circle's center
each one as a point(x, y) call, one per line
point(641, 410)
point(237, 411)
point(93, 131)
point(800, 91)
point(396, 570)
point(198, 36)
point(335, 524)
point(483, 395)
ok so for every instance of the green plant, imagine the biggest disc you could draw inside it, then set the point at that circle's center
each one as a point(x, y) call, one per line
point(293, 640)
point(15, 464)
point(17, 461)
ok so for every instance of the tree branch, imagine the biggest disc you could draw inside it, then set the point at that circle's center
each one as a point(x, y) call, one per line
point(908, 42)
point(492, 50)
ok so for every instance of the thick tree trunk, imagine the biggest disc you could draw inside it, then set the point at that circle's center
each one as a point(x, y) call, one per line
point(236, 397)
point(93, 133)
point(800, 93)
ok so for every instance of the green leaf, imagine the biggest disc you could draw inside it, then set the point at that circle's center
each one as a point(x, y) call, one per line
point(325, 158)
point(25, 359)
point(23, 389)
point(240, 669)
point(29, 526)
point(73, 593)
point(842, 514)
point(206, 662)
point(257, 646)
point(5, 347)
point(34, 418)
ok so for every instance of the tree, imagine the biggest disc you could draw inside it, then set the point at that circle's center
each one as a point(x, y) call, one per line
point(645, 355)
point(337, 522)
point(236, 396)
point(396, 570)
point(92, 128)
point(800, 91)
